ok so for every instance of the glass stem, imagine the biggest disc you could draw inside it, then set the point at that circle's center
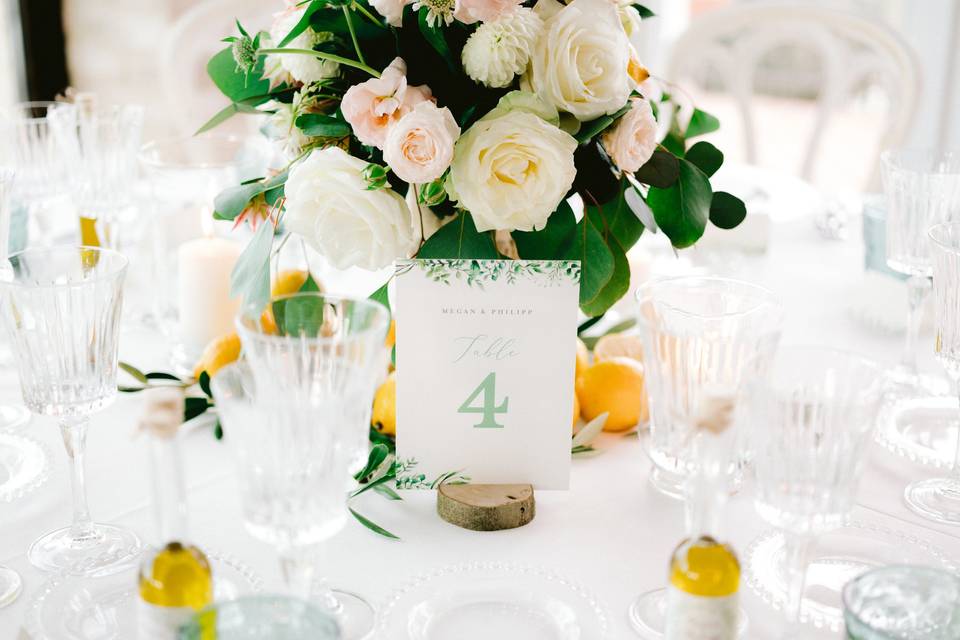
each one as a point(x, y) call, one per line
point(797, 552)
point(74, 432)
point(917, 289)
point(298, 566)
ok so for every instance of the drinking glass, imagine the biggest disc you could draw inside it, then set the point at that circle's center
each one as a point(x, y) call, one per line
point(12, 416)
point(294, 413)
point(61, 307)
point(41, 194)
point(258, 617)
point(811, 418)
point(922, 188)
point(704, 338)
point(903, 602)
point(939, 498)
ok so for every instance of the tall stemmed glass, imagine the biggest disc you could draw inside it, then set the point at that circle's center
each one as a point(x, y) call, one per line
point(922, 188)
point(811, 418)
point(704, 338)
point(11, 415)
point(312, 362)
point(939, 498)
point(61, 307)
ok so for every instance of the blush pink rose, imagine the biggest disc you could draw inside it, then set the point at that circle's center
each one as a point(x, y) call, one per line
point(470, 11)
point(371, 107)
point(632, 141)
point(419, 147)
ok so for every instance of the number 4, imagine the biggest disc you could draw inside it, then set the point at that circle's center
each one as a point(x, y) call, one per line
point(487, 408)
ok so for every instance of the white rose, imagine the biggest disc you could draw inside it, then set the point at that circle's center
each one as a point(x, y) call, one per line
point(419, 146)
point(511, 169)
point(633, 139)
point(301, 67)
point(499, 50)
point(329, 205)
point(579, 63)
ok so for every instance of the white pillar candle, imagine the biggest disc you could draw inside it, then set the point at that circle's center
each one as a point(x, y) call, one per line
point(203, 293)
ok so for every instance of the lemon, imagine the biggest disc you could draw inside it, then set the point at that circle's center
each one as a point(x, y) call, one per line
point(384, 418)
point(391, 335)
point(616, 345)
point(218, 354)
point(576, 408)
point(614, 386)
point(583, 358)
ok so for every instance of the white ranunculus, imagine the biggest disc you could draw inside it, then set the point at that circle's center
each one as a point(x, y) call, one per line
point(579, 63)
point(329, 205)
point(303, 68)
point(511, 169)
point(498, 51)
point(281, 128)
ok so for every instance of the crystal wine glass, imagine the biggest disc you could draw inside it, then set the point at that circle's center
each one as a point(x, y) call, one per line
point(61, 307)
point(257, 617)
point(310, 383)
point(811, 418)
point(922, 188)
point(701, 335)
point(939, 498)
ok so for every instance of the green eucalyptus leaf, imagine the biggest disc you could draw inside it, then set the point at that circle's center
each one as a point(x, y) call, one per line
point(616, 287)
point(251, 274)
point(682, 210)
point(373, 526)
point(643, 11)
point(322, 126)
point(727, 210)
point(589, 129)
point(459, 239)
point(225, 114)
point(378, 453)
point(300, 316)
point(134, 373)
point(706, 156)
point(616, 217)
point(701, 123)
point(596, 260)
point(231, 202)
point(303, 22)
point(309, 285)
point(549, 242)
point(661, 170)
point(193, 407)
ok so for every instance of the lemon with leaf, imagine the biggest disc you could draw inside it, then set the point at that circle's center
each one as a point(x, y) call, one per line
point(384, 418)
point(614, 386)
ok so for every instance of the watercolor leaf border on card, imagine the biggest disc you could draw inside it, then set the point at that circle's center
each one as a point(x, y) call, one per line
point(408, 480)
point(477, 273)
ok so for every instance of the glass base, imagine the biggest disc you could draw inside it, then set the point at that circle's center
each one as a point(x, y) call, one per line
point(102, 552)
point(648, 615)
point(922, 430)
point(670, 484)
point(937, 499)
point(10, 586)
point(906, 383)
point(13, 416)
point(354, 614)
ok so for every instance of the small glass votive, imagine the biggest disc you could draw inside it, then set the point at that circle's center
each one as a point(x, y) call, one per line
point(257, 617)
point(903, 602)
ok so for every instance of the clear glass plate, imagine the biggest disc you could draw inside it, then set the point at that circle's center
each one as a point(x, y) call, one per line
point(481, 600)
point(837, 558)
point(922, 430)
point(72, 607)
point(24, 466)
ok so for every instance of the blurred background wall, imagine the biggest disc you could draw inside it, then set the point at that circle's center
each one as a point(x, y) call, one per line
point(152, 53)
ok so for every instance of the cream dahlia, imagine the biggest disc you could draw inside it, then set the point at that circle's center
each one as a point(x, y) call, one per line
point(499, 50)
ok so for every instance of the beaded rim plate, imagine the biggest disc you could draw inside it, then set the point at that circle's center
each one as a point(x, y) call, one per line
point(896, 434)
point(553, 599)
point(821, 606)
point(23, 483)
point(242, 579)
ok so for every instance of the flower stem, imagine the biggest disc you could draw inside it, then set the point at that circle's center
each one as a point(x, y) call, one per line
point(372, 18)
point(348, 15)
point(325, 56)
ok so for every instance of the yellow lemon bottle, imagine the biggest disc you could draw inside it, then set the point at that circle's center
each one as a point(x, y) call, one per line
point(704, 575)
point(175, 580)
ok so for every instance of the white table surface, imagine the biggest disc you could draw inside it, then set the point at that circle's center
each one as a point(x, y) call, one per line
point(611, 531)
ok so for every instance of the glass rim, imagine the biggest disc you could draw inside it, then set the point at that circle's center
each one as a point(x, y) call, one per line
point(244, 319)
point(103, 251)
point(940, 226)
point(888, 158)
point(847, 591)
point(822, 349)
point(644, 294)
point(156, 143)
point(14, 112)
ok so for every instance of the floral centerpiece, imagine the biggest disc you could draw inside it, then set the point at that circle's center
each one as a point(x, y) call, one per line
point(462, 129)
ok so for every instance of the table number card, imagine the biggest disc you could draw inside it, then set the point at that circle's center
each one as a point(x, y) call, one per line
point(485, 371)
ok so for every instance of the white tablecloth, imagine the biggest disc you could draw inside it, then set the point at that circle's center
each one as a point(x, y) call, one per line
point(612, 532)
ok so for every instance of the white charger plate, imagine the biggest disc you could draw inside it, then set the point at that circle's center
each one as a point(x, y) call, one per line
point(484, 600)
